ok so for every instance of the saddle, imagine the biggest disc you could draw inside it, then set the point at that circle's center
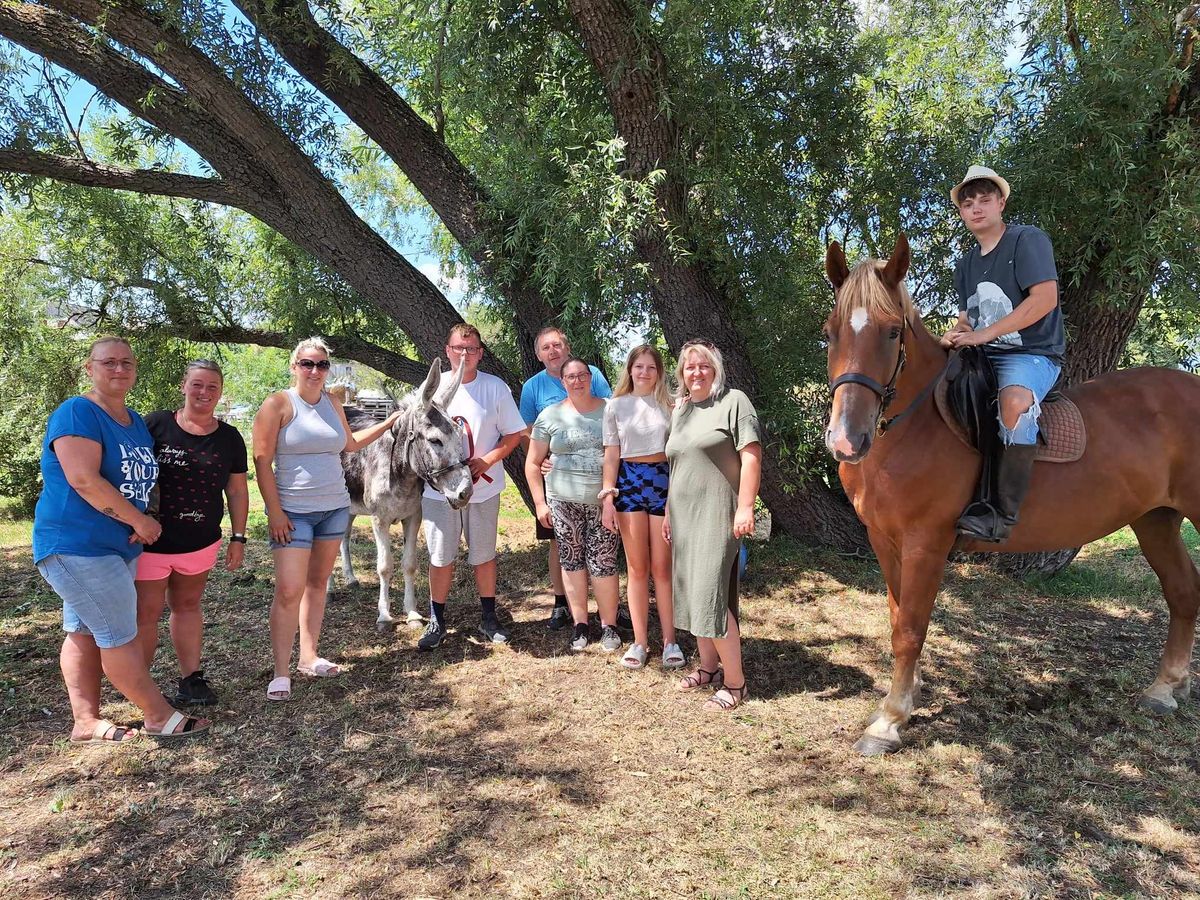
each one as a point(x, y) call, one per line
point(966, 400)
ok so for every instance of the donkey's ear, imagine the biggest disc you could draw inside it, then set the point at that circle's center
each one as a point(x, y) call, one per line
point(836, 269)
point(446, 394)
point(430, 385)
point(897, 266)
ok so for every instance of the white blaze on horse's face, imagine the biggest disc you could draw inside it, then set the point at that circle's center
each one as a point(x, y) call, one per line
point(859, 320)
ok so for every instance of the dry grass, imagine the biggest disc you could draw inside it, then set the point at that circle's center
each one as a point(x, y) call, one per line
point(527, 772)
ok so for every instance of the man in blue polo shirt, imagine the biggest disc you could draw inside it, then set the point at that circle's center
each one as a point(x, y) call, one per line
point(542, 390)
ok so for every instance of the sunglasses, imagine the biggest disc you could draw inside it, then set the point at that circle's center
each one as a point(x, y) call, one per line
point(698, 343)
point(319, 365)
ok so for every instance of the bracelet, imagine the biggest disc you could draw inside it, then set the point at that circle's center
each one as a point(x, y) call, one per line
point(608, 492)
point(237, 538)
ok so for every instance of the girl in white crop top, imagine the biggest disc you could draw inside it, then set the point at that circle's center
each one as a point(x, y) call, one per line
point(634, 496)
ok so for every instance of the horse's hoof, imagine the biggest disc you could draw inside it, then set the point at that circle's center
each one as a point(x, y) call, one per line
point(415, 620)
point(385, 627)
point(869, 745)
point(1157, 706)
point(351, 585)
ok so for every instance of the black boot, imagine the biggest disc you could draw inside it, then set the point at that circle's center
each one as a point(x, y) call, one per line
point(994, 524)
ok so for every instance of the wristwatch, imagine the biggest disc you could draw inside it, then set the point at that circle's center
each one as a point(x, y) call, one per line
point(239, 538)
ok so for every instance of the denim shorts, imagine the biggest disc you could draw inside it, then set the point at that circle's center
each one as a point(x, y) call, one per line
point(98, 595)
point(328, 525)
point(1027, 370)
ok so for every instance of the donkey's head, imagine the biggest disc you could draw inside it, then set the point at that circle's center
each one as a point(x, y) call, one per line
point(865, 332)
point(430, 443)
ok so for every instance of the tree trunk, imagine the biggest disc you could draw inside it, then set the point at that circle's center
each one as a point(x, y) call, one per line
point(686, 297)
point(1100, 334)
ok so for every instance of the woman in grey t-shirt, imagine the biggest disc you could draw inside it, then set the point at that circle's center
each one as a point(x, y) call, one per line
point(568, 500)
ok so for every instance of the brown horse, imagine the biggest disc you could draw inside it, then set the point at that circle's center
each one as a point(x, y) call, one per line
point(909, 483)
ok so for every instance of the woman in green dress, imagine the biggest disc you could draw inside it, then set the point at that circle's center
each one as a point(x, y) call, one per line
point(716, 459)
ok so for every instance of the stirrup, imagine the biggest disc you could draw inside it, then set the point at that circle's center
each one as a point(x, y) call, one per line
point(994, 532)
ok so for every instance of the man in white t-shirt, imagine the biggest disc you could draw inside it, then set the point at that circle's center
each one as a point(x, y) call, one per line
point(485, 407)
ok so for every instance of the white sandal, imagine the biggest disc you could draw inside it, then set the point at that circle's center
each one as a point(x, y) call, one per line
point(673, 657)
point(320, 668)
point(280, 689)
point(635, 657)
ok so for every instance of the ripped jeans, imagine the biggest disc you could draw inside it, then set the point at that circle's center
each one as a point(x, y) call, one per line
point(1028, 370)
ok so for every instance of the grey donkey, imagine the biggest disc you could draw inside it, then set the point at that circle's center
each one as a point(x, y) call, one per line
point(386, 479)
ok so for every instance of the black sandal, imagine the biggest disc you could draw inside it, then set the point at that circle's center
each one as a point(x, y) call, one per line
point(716, 703)
point(694, 681)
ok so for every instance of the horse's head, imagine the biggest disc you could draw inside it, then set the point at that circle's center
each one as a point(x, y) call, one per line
point(865, 333)
point(430, 443)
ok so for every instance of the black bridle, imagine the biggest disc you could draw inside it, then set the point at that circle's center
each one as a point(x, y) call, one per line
point(887, 392)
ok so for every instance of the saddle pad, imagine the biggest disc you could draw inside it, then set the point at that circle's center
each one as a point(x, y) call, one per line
point(1063, 437)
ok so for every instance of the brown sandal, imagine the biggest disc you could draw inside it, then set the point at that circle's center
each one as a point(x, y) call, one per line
point(702, 678)
point(717, 703)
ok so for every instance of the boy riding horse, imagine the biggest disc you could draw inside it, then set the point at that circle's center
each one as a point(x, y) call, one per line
point(1008, 304)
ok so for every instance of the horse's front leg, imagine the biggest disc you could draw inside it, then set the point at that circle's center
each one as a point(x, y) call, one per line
point(383, 565)
point(920, 576)
point(409, 564)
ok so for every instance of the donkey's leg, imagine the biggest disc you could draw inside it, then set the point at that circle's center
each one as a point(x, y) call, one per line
point(1158, 535)
point(347, 565)
point(383, 565)
point(921, 575)
point(408, 563)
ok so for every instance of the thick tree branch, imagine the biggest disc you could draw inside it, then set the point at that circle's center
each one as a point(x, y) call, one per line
point(412, 144)
point(143, 181)
point(345, 346)
point(64, 42)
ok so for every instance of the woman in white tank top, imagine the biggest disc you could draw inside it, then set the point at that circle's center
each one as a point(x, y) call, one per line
point(299, 435)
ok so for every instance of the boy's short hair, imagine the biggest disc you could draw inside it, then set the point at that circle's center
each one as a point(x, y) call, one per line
point(464, 331)
point(976, 188)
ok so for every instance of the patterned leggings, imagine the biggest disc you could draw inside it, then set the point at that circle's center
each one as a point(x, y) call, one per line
point(583, 543)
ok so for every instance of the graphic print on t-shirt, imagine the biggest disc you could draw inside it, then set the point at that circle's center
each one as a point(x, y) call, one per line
point(987, 306)
point(139, 471)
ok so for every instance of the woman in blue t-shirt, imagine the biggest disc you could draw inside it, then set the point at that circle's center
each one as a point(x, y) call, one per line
point(98, 468)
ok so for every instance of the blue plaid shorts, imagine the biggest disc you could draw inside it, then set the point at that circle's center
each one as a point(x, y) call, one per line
point(642, 487)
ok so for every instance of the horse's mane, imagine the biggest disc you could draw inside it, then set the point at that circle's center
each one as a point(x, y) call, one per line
point(864, 289)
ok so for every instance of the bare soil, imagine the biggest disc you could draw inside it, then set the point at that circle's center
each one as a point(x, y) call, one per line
point(525, 771)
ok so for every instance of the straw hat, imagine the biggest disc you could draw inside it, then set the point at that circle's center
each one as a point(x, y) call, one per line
point(974, 173)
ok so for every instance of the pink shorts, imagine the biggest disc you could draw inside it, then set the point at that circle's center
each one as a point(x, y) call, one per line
point(157, 566)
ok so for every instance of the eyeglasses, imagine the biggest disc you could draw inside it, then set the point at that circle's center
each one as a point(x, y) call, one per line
point(578, 376)
point(698, 342)
point(113, 365)
point(464, 351)
point(321, 365)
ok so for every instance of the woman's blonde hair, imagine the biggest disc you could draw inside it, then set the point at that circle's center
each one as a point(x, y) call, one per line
point(108, 339)
point(707, 351)
point(625, 382)
point(311, 343)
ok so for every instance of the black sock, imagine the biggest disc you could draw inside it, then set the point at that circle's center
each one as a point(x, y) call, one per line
point(581, 630)
point(488, 607)
point(560, 600)
point(439, 612)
